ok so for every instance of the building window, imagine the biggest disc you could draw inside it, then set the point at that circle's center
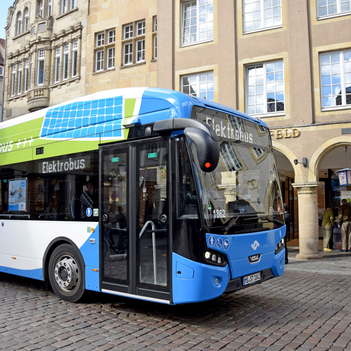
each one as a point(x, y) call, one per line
point(200, 85)
point(128, 54)
point(262, 14)
point(99, 60)
point(110, 58)
point(18, 23)
point(26, 20)
point(128, 31)
point(13, 77)
point(100, 39)
point(140, 28)
point(140, 51)
point(111, 36)
point(335, 71)
point(1, 71)
point(40, 8)
point(197, 21)
point(57, 63)
point(154, 40)
point(26, 75)
point(41, 58)
point(67, 5)
point(326, 8)
point(105, 50)
point(49, 8)
point(231, 160)
point(19, 78)
point(265, 88)
point(65, 61)
point(75, 58)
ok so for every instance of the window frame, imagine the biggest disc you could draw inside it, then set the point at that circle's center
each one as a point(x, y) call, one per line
point(40, 61)
point(65, 71)
point(99, 61)
point(129, 55)
point(265, 91)
point(336, 14)
point(344, 84)
point(57, 64)
point(26, 75)
point(74, 70)
point(25, 20)
point(19, 78)
point(13, 79)
point(19, 23)
point(262, 17)
point(198, 23)
point(140, 51)
point(197, 77)
point(113, 57)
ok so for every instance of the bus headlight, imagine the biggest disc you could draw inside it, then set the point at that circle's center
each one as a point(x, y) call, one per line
point(216, 258)
point(280, 246)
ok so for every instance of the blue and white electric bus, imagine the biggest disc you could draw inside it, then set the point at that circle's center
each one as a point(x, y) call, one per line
point(140, 192)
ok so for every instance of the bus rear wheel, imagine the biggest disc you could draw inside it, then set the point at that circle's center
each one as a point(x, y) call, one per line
point(66, 273)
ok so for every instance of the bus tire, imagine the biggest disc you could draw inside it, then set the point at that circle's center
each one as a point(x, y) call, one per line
point(66, 273)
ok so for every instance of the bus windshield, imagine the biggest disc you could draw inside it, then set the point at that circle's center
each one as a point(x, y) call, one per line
point(242, 194)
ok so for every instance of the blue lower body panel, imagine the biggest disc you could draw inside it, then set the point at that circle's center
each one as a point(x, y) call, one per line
point(196, 282)
point(31, 273)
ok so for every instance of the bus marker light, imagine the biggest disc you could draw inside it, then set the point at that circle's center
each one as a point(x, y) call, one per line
point(14, 258)
point(207, 164)
point(214, 258)
point(207, 255)
point(95, 270)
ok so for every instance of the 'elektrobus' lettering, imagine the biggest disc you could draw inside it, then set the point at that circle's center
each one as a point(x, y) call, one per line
point(61, 166)
point(226, 131)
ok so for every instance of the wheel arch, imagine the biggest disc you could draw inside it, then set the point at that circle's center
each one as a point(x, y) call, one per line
point(50, 249)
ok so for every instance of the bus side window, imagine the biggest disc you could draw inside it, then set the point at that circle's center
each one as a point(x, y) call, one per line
point(187, 206)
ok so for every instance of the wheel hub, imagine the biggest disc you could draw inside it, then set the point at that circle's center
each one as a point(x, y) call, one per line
point(66, 273)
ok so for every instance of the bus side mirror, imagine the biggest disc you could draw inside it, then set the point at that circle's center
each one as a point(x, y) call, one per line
point(207, 149)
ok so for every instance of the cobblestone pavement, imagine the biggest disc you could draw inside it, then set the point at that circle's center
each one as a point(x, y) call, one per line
point(305, 309)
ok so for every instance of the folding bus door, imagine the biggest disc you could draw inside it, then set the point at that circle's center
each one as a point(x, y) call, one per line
point(135, 251)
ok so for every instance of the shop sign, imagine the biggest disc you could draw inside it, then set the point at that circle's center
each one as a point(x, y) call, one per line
point(285, 133)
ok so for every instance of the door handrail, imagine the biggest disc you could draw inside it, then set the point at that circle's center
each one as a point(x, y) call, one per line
point(153, 245)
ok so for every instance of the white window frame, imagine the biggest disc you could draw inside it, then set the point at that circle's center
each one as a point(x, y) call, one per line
point(57, 63)
point(324, 4)
point(40, 8)
point(128, 31)
point(41, 62)
point(99, 60)
point(110, 58)
point(155, 24)
point(155, 47)
point(202, 83)
point(111, 36)
point(19, 78)
point(127, 54)
point(65, 72)
point(13, 77)
point(48, 8)
point(18, 23)
point(64, 6)
point(200, 26)
point(99, 39)
point(140, 50)
point(75, 58)
point(26, 20)
point(259, 88)
point(26, 75)
point(337, 84)
point(140, 28)
point(260, 11)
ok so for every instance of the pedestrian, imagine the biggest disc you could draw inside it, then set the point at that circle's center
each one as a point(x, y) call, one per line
point(287, 223)
point(344, 222)
point(327, 226)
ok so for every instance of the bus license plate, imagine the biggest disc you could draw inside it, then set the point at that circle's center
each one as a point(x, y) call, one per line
point(250, 279)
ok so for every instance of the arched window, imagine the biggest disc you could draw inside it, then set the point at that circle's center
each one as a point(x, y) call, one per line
point(18, 23)
point(26, 20)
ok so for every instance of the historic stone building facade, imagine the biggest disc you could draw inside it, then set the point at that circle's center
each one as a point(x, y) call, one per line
point(46, 51)
point(2, 71)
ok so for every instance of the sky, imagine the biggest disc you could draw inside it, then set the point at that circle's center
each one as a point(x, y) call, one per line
point(4, 5)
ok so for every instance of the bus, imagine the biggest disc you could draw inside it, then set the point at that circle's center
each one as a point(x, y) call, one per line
point(144, 193)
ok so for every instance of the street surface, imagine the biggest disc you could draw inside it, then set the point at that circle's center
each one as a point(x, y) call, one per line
point(308, 308)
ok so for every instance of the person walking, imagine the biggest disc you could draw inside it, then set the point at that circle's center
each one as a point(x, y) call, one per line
point(327, 226)
point(344, 222)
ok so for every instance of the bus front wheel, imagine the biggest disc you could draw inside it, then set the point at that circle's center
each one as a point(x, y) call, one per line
point(66, 273)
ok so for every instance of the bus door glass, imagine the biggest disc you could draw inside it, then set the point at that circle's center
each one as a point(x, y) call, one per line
point(153, 216)
point(114, 226)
